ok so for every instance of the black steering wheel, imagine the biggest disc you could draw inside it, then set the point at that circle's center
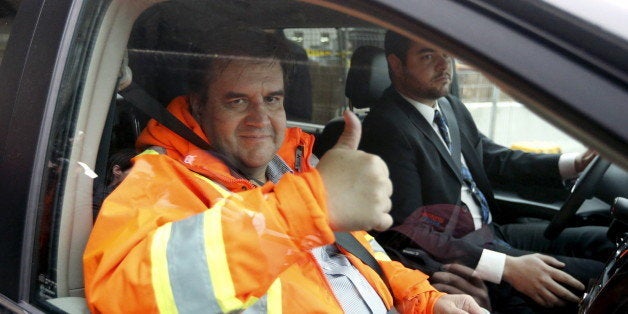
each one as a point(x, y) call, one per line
point(582, 189)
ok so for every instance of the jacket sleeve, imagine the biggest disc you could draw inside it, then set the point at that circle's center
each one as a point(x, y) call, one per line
point(411, 291)
point(504, 166)
point(167, 239)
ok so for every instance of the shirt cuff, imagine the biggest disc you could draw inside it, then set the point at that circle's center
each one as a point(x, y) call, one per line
point(491, 266)
point(567, 165)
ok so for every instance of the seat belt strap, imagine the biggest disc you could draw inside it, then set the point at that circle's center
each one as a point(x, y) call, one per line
point(352, 245)
point(140, 99)
point(151, 107)
point(348, 242)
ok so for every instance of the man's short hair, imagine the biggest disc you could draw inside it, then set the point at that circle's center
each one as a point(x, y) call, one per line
point(396, 44)
point(222, 47)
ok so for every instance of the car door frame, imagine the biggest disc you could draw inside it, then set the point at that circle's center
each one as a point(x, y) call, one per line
point(34, 60)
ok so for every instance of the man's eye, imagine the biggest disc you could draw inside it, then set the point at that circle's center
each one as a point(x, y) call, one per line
point(274, 101)
point(427, 57)
point(237, 102)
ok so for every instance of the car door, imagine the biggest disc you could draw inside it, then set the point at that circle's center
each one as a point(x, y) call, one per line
point(60, 69)
point(43, 75)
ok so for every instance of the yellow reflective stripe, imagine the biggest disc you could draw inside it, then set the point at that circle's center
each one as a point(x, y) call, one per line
point(150, 152)
point(268, 303)
point(224, 192)
point(381, 256)
point(379, 252)
point(217, 260)
point(250, 302)
point(159, 270)
point(274, 297)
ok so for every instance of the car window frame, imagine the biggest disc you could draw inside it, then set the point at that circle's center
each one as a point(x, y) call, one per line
point(40, 46)
point(30, 113)
point(27, 106)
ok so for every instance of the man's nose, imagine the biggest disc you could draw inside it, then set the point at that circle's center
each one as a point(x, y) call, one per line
point(443, 61)
point(257, 113)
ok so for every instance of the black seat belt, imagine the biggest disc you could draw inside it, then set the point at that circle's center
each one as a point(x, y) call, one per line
point(139, 98)
point(352, 245)
point(348, 242)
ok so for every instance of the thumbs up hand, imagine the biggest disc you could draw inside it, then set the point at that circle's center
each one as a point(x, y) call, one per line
point(357, 183)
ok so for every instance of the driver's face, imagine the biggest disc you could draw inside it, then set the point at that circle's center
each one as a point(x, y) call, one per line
point(425, 74)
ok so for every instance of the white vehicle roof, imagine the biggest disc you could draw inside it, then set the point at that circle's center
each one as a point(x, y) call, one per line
point(610, 15)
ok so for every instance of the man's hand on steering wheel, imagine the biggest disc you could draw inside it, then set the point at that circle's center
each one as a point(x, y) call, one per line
point(584, 159)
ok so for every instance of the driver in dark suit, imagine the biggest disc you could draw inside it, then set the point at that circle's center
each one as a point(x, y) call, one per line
point(440, 165)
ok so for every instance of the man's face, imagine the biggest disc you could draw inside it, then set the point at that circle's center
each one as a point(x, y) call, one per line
point(244, 117)
point(425, 75)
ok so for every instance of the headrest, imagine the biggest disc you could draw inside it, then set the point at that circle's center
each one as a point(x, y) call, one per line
point(368, 76)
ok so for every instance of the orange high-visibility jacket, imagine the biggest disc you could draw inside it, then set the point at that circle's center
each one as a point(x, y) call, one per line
point(181, 234)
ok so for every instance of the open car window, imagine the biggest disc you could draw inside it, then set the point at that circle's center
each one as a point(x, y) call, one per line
point(85, 119)
point(506, 120)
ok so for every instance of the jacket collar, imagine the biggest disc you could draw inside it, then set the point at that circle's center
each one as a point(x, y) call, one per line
point(416, 119)
point(210, 165)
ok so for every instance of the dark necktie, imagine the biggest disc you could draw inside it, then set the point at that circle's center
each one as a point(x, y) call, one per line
point(442, 127)
point(478, 196)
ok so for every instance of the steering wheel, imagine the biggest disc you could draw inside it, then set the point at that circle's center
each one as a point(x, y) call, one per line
point(582, 189)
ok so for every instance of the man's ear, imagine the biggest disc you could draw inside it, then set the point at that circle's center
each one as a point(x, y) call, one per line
point(195, 106)
point(394, 63)
point(116, 170)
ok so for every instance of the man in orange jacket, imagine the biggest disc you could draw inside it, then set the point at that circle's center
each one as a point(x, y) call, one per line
point(248, 225)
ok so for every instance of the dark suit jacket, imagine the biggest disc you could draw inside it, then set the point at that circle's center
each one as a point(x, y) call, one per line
point(424, 173)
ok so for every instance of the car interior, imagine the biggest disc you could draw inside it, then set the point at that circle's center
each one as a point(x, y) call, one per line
point(152, 40)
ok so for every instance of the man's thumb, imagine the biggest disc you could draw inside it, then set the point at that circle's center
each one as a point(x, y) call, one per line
point(350, 137)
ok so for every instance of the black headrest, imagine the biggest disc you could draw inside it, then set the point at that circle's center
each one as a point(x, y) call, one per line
point(368, 76)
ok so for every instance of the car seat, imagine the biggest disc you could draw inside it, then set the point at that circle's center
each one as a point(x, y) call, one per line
point(366, 81)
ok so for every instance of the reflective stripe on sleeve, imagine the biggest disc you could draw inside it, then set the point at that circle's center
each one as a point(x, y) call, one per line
point(274, 297)
point(159, 271)
point(269, 303)
point(191, 275)
point(219, 268)
point(192, 285)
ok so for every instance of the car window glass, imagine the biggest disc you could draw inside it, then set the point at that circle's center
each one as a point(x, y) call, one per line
point(507, 121)
point(64, 207)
